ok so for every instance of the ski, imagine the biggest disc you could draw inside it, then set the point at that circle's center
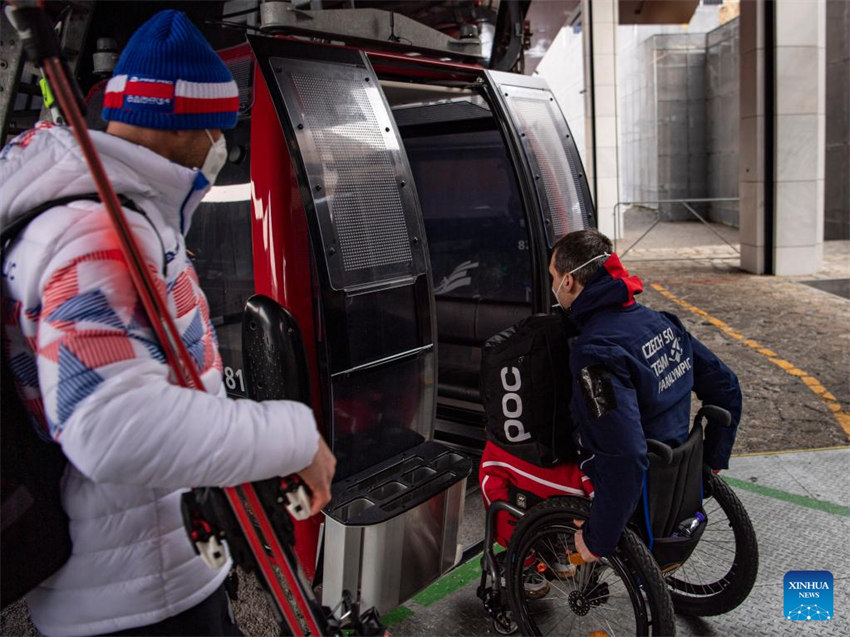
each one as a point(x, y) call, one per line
point(248, 509)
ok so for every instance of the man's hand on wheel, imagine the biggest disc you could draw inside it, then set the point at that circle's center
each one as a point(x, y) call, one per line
point(318, 476)
point(585, 553)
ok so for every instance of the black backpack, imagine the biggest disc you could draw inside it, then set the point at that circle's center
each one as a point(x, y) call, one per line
point(526, 389)
point(34, 537)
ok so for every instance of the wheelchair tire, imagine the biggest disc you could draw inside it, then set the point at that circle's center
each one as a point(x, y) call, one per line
point(716, 579)
point(625, 590)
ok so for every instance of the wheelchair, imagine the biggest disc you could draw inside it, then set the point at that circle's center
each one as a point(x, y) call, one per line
point(689, 548)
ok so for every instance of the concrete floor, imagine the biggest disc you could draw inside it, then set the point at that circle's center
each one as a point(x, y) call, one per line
point(789, 343)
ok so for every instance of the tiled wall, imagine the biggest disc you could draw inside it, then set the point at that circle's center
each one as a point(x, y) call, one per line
point(751, 134)
point(721, 121)
point(837, 177)
point(800, 135)
point(662, 111)
point(603, 168)
point(638, 124)
point(680, 94)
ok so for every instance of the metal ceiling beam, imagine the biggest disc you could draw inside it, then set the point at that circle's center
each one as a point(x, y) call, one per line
point(382, 29)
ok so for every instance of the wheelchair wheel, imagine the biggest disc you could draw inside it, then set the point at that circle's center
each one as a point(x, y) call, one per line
point(623, 594)
point(721, 571)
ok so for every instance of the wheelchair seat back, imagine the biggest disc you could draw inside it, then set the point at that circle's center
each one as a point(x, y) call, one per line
point(672, 493)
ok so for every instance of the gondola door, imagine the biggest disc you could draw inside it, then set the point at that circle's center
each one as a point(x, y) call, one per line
point(549, 160)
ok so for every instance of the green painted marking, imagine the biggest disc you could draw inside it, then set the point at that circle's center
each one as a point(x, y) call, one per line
point(793, 498)
point(449, 583)
point(452, 581)
point(396, 616)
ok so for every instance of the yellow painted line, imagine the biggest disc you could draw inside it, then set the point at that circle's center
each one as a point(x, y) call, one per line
point(788, 367)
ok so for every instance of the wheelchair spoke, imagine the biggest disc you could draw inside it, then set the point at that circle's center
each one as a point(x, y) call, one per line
point(556, 587)
point(688, 568)
point(585, 573)
point(719, 544)
point(701, 560)
point(613, 619)
point(711, 502)
point(722, 532)
point(609, 616)
point(594, 598)
point(556, 552)
point(571, 617)
point(693, 567)
point(717, 525)
point(611, 631)
point(689, 577)
point(553, 571)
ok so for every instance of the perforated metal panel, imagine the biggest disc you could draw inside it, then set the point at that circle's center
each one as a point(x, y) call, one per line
point(359, 179)
point(361, 184)
point(242, 71)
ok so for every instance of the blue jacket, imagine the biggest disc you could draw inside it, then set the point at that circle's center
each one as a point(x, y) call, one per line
point(633, 372)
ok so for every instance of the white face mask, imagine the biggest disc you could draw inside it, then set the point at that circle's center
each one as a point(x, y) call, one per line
point(215, 159)
point(558, 291)
point(604, 255)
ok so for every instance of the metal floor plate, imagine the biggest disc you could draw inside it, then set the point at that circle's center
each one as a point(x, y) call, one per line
point(800, 507)
point(839, 287)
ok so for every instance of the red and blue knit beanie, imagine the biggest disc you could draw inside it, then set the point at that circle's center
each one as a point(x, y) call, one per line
point(170, 78)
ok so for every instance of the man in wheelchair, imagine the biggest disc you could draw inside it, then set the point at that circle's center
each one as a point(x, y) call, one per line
point(631, 373)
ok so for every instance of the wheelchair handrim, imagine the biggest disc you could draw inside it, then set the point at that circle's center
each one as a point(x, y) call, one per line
point(579, 585)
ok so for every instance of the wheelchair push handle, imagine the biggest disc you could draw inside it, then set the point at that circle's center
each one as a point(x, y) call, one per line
point(714, 415)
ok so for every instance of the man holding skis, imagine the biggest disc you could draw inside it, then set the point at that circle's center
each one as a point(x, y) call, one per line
point(90, 370)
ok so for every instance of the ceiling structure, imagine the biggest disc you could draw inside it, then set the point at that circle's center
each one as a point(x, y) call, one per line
point(657, 11)
point(513, 34)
